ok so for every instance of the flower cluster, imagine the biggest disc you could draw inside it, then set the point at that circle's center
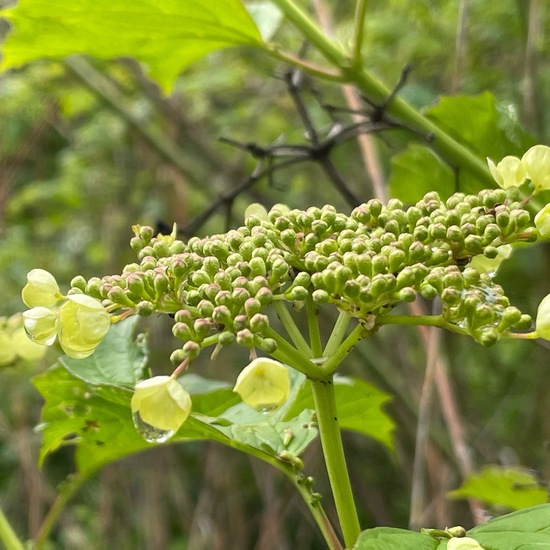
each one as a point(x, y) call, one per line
point(218, 287)
point(80, 323)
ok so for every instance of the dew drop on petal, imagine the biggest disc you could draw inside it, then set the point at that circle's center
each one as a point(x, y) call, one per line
point(266, 407)
point(150, 433)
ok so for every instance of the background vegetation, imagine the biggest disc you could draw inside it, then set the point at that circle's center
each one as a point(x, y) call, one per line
point(88, 148)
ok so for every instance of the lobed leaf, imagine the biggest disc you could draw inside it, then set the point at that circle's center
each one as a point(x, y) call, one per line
point(166, 36)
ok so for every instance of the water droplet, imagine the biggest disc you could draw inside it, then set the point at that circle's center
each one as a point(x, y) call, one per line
point(150, 433)
point(266, 407)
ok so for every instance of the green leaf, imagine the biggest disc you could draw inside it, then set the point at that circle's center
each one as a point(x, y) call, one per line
point(418, 170)
point(512, 487)
point(359, 405)
point(527, 529)
point(118, 360)
point(479, 123)
point(166, 36)
point(391, 538)
point(88, 405)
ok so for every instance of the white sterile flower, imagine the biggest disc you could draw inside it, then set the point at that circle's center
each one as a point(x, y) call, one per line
point(161, 402)
point(83, 322)
point(542, 222)
point(510, 171)
point(41, 289)
point(41, 325)
point(542, 323)
point(537, 164)
point(264, 384)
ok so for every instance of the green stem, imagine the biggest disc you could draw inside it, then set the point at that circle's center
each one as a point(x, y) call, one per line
point(290, 326)
point(61, 500)
point(419, 320)
point(313, 326)
point(338, 333)
point(7, 534)
point(294, 357)
point(358, 30)
point(341, 352)
point(354, 73)
point(333, 451)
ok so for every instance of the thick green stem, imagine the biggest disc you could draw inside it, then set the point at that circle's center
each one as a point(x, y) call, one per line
point(7, 534)
point(420, 320)
point(333, 451)
point(355, 73)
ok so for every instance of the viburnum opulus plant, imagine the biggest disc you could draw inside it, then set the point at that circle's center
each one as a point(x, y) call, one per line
point(222, 290)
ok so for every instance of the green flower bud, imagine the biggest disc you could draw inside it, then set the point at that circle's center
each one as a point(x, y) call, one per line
point(161, 249)
point(428, 292)
point(206, 308)
point(137, 244)
point(487, 336)
point(148, 263)
point(177, 247)
point(147, 252)
point(267, 345)
point(259, 322)
point(226, 338)
point(183, 331)
point(177, 356)
point(225, 298)
point(183, 316)
point(222, 315)
point(451, 296)
point(202, 327)
point(407, 295)
point(41, 289)
point(83, 322)
point(211, 266)
point(41, 325)
point(245, 338)
point(118, 296)
point(537, 165)
point(161, 402)
point(264, 296)
point(145, 308)
point(200, 277)
point(145, 232)
point(79, 282)
point(320, 296)
point(191, 349)
point(264, 384)
point(257, 267)
point(510, 316)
